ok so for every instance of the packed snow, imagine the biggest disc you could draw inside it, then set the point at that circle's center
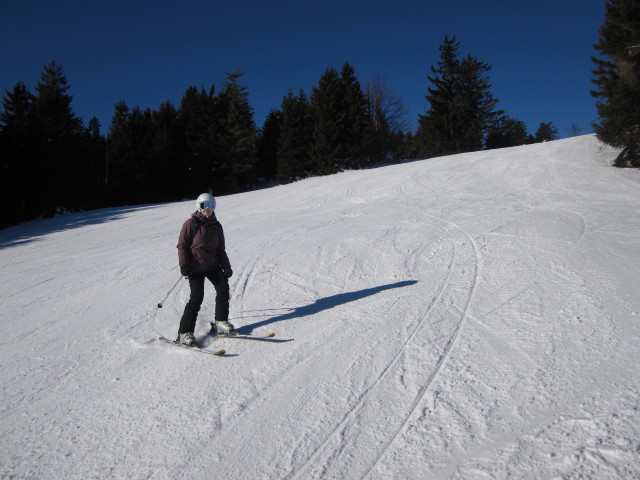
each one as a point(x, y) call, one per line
point(474, 316)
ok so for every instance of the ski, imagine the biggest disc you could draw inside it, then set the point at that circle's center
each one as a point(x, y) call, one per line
point(241, 335)
point(219, 353)
point(262, 338)
point(236, 334)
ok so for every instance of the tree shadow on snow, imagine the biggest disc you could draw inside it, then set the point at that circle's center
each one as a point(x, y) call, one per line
point(34, 230)
point(326, 303)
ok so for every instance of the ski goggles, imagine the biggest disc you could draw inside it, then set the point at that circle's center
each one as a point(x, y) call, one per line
point(208, 205)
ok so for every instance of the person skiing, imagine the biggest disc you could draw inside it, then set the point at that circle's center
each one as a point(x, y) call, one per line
point(202, 255)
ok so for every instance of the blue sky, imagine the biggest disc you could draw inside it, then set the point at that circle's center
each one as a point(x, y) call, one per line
point(146, 52)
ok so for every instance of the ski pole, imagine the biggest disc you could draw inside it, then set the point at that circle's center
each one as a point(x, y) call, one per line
point(169, 292)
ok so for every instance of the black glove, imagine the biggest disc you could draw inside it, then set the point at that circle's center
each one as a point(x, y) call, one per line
point(227, 272)
point(185, 270)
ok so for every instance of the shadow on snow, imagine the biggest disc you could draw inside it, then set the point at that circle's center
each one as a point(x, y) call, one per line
point(326, 303)
point(34, 230)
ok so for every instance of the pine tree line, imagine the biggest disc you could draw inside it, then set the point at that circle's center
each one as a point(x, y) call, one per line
point(617, 80)
point(341, 126)
point(210, 141)
point(48, 159)
point(463, 114)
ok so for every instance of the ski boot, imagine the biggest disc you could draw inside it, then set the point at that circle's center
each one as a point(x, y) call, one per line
point(223, 329)
point(187, 339)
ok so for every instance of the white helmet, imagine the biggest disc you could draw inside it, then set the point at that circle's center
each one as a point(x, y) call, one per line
point(206, 200)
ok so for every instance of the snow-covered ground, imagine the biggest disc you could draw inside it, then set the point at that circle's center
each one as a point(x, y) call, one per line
point(474, 316)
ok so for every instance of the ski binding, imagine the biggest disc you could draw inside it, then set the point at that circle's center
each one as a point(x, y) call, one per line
point(218, 353)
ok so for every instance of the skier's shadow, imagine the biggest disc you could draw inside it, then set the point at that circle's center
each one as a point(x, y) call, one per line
point(326, 303)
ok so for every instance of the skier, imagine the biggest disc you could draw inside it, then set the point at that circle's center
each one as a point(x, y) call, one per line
point(202, 254)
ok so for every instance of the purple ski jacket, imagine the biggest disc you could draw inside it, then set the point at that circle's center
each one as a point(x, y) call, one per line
point(205, 251)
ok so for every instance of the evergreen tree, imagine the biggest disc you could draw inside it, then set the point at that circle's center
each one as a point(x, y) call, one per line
point(16, 118)
point(508, 132)
point(53, 105)
point(116, 150)
point(294, 150)
point(167, 152)
point(617, 80)
point(140, 134)
point(476, 106)
point(130, 159)
point(357, 134)
point(268, 145)
point(239, 135)
point(201, 120)
point(92, 194)
point(546, 132)
point(437, 129)
point(58, 136)
point(328, 118)
point(462, 108)
point(16, 154)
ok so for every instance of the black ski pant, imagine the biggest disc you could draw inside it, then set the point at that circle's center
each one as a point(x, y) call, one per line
point(196, 283)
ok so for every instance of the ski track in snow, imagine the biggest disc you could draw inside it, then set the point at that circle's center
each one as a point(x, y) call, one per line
point(447, 351)
point(465, 317)
point(353, 411)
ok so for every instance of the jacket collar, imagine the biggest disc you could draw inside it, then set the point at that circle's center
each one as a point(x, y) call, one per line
point(201, 218)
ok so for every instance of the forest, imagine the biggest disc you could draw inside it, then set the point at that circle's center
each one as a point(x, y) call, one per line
point(51, 162)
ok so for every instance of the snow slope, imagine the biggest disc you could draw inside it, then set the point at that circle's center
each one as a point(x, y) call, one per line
point(474, 316)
